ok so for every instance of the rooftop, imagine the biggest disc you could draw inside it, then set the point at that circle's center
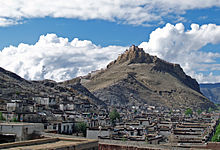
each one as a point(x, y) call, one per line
point(17, 123)
point(51, 143)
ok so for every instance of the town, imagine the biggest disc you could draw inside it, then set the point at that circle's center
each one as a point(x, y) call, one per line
point(150, 126)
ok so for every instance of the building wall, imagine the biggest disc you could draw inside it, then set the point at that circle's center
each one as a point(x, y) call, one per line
point(93, 134)
point(210, 145)
point(165, 133)
point(22, 131)
point(13, 106)
point(67, 128)
point(11, 129)
point(144, 122)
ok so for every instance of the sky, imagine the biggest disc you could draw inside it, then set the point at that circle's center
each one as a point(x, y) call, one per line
point(60, 40)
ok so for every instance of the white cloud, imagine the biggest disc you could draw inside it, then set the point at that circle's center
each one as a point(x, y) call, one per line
point(7, 22)
point(175, 44)
point(57, 58)
point(210, 78)
point(142, 12)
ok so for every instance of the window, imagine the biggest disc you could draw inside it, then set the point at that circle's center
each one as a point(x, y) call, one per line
point(26, 130)
point(54, 126)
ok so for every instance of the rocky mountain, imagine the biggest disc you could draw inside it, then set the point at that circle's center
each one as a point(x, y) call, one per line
point(212, 91)
point(136, 77)
point(13, 86)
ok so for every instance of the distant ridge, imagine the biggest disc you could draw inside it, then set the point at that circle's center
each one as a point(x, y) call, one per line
point(212, 91)
point(209, 85)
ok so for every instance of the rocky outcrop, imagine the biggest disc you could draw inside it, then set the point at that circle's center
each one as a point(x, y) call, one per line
point(133, 55)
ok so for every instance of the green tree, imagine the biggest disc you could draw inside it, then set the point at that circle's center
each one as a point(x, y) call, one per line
point(113, 116)
point(1, 117)
point(124, 139)
point(216, 136)
point(135, 111)
point(199, 111)
point(171, 111)
point(81, 128)
point(17, 93)
point(210, 109)
point(188, 112)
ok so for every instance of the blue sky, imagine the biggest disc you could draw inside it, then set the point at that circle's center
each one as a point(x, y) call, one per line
point(100, 32)
point(104, 29)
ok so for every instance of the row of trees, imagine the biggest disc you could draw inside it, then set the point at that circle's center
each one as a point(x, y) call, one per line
point(189, 111)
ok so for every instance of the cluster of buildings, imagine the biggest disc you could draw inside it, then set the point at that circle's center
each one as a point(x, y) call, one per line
point(161, 128)
point(140, 123)
point(57, 117)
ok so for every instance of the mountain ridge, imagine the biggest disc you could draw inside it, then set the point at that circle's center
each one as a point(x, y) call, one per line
point(134, 78)
point(137, 55)
point(148, 79)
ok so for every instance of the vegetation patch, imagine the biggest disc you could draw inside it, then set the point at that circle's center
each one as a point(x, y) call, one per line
point(216, 137)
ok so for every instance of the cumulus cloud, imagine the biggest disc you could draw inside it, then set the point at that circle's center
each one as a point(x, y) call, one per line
point(124, 11)
point(175, 44)
point(57, 58)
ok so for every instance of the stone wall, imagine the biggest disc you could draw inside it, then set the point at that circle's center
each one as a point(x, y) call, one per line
point(128, 145)
point(210, 145)
point(124, 147)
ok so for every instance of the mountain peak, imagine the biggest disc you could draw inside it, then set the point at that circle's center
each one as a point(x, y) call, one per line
point(134, 55)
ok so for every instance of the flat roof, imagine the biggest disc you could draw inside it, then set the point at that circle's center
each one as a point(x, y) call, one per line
point(50, 143)
point(17, 123)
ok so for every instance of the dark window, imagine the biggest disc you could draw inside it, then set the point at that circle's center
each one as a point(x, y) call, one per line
point(54, 126)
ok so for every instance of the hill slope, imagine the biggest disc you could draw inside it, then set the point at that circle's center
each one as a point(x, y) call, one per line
point(13, 86)
point(138, 78)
